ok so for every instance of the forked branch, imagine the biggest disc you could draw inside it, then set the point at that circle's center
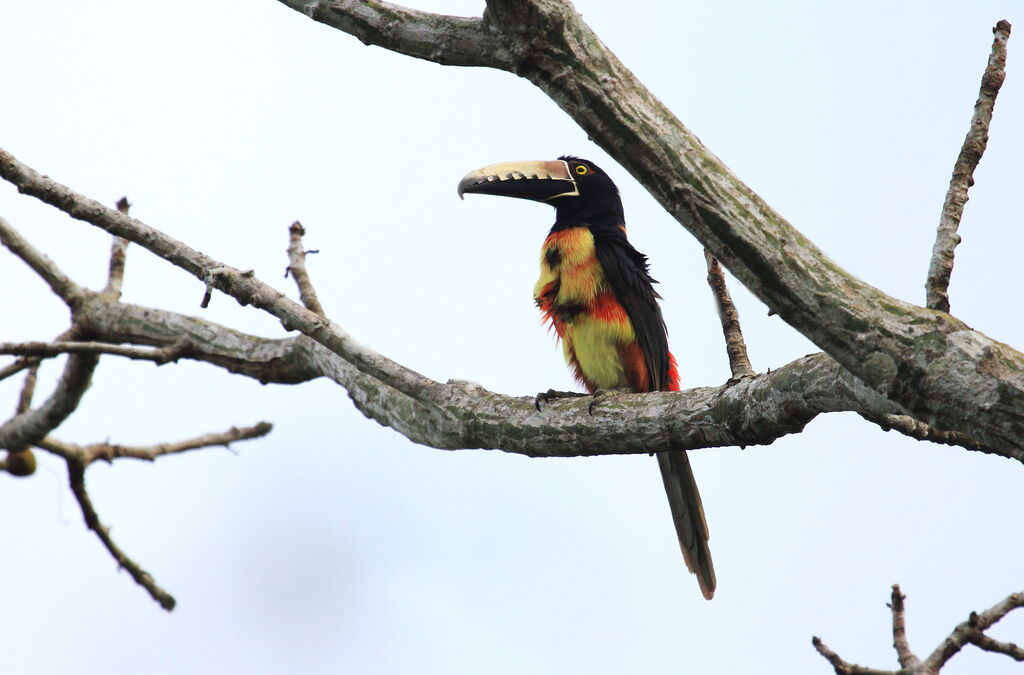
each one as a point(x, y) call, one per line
point(971, 631)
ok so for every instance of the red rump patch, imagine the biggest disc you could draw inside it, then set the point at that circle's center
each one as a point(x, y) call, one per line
point(635, 367)
point(673, 374)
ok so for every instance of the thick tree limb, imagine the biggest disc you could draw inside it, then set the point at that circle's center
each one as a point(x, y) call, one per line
point(32, 425)
point(756, 410)
point(946, 238)
point(459, 415)
point(936, 368)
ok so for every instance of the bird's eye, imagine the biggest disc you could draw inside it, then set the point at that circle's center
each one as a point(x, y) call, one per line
point(581, 170)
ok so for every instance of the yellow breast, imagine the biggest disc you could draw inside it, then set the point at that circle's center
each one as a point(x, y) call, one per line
point(573, 295)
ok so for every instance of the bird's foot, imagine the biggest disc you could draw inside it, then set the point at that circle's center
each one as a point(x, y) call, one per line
point(553, 395)
point(602, 394)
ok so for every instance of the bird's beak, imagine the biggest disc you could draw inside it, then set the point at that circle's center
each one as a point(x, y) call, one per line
point(538, 181)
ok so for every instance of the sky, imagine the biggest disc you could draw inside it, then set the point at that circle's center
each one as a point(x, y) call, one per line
point(334, 545)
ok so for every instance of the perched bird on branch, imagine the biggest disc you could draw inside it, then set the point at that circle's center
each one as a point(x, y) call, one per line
point(595, 292)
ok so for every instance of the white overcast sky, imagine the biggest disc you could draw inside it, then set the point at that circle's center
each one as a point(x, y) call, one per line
point(335, 545)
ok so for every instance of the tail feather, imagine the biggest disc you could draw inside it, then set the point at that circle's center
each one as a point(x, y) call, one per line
point(688, 516)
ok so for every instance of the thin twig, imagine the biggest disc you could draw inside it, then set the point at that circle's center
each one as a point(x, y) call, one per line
point(28, 389)
point(118, 250)
point(46, 349)
point(971, 630)
point(739, 363)
point(946, 239)
point(842, 667)
point(76, 477)
point(87, 454)
point(297, 268)
point(17, 366)
point(59, 283)
point(988, 644)
point(906, 657)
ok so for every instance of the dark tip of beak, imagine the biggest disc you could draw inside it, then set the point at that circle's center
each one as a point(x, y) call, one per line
point(463, 184)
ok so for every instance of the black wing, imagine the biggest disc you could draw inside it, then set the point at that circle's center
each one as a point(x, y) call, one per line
point(625, 268)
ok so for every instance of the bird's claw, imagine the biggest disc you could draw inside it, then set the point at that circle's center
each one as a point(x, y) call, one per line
point(600, 395)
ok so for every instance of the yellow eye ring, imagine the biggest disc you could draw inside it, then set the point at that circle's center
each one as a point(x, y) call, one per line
point(581, 170)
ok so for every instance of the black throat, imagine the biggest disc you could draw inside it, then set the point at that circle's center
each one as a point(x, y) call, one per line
point(582, 212)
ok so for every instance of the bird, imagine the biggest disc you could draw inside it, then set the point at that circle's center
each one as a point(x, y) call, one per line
point(595, 291)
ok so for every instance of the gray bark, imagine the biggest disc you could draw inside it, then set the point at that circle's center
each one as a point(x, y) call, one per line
point(939, 370)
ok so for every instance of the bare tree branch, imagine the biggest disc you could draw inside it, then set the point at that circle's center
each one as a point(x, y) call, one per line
point(31, 426)
point(755, 411)
point(87, 454)
point(297, 268)
point(971, 631)
point(16, 367)
point(76, 477)
point(936, 368)
point(59, 283)
point(842, 667)
point(460, 415)
point(908, 660)
point(987, 644)
point(159, 356)
point(946, 238)
point(736, 348)
point(242, 285)
point(449, 40)
point(118, 250)
point(28, 390)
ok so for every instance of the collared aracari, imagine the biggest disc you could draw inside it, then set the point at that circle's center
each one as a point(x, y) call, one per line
point(595, 292)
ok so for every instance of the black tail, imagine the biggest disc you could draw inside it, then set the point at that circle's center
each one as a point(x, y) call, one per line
point(688, 516)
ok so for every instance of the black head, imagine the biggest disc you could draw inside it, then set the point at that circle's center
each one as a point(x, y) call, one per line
point(580, 191)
